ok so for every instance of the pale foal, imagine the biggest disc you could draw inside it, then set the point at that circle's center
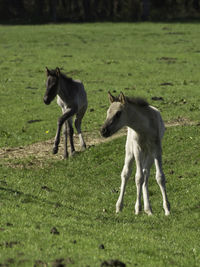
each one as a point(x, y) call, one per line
point(145, 132)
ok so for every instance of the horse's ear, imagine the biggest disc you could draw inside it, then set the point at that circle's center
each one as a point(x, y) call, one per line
point(122, 98)
point(111, 97)
point(47, 71)
point(57, 72)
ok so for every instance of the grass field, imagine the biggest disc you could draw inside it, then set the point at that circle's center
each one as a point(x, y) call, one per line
point(54, 211)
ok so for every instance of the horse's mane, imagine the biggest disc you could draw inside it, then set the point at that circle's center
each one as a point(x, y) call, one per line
point(54, 73)
point(138, 101)
point(68, 79)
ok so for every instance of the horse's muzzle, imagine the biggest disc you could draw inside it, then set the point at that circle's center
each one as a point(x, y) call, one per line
point(105, 132)
point(46, 101)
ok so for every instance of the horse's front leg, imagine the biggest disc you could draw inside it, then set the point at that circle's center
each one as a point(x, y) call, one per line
point(65, 140)
point(126, 173)
point(69, 113)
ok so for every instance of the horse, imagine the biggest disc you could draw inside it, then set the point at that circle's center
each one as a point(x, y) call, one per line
point(72, 98)
point(145, 130)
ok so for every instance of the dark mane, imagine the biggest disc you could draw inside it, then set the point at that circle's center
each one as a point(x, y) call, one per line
point(137, 101)
point(68, 79)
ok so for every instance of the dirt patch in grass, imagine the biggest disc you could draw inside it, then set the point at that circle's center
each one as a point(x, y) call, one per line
point(180, 121)
point(37, 153)
point(44, 149)
point(168, 60)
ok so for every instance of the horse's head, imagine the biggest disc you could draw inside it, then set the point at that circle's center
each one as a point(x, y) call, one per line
point(116, 117)
point(51, 85)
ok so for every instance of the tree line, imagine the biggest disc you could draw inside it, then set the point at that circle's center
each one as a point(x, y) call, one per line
point(29, 11)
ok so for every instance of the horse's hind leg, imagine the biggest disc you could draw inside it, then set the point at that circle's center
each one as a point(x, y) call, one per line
point(71, 133)
point(78, 121)
point(139, 179)
point(65, 140)
point(160, 177)
point(146, 171)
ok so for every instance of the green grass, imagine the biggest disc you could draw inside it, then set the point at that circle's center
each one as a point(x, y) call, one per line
point(78, 196)
point(80, 203)
point(133, 58)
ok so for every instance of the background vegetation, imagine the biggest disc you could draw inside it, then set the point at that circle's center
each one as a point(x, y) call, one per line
point(32, 11)
point(63, 212)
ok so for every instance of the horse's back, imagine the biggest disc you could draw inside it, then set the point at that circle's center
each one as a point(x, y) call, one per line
point(81, 94)
point(152, 134)
point(159, 121)
point(73, 95)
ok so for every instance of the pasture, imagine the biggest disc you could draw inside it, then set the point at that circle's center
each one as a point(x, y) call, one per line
point(55, 211)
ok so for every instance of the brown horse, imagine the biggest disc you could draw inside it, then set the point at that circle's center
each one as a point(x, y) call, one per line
point(72, 98)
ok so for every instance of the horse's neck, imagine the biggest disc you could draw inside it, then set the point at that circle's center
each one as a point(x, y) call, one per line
point(146, 125)
point(63, 90)
point(136, 119)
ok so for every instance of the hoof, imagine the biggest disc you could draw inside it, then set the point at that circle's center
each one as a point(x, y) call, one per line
point(66, 156)
point(83, 147)
point(148, 211)
point(72, 153)
point(138, 210)
point(119, 208)
point(118, 211)
point(55, 150)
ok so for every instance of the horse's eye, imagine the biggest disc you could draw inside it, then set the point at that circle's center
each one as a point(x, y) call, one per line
point(118, 114)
